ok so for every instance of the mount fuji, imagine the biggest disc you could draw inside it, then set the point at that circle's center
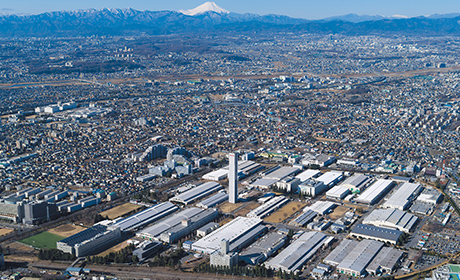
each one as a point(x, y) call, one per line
point(203, 8)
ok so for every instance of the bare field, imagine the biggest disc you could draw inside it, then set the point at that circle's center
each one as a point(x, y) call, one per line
point(251, 205)
point(338, 212)
point(224, 221)
point(5, 231)
point(114, 249)
point(285, 212)
point(119, 211)
point(228, 207)
point(66, 230)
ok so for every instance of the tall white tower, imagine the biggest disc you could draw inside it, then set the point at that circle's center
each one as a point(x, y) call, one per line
point(233, 178)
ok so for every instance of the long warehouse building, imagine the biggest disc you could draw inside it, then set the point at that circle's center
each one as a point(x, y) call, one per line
point(239, 232)
point(352, 257)
point(146, 216)
point(90, 241)
point(213, 200)
point(403, 196)
point(196, 193)
point(268, 207)
point(299, 252)
point(391, 218)
point(375, 192)
point(179, 225)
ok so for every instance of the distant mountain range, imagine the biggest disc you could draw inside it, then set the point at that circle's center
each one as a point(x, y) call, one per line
point(210, 18)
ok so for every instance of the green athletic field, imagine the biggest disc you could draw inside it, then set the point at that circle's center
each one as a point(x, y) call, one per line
point(43, 240)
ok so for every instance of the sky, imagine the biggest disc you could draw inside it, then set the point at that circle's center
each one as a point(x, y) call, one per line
point(308, 9)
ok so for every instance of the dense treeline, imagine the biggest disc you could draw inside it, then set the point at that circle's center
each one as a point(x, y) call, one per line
point(171, 260)
point(125, 255)
point(256, 271)
point(98, 218)
point(54, 255)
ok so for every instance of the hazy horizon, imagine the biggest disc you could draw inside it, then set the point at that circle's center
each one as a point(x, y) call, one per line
point(293, 8)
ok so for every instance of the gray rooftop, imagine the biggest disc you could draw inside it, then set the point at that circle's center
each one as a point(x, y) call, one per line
point(197, 193)
point(147, 216)
point(296, 254)
point(377, 232)
point(358, 259)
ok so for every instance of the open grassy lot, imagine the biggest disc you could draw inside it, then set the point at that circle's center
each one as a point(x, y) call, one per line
point(338, 212)
point(66, 230)
point(285, 212)
point(119, 211)
point(44, 240)
point(454, 268)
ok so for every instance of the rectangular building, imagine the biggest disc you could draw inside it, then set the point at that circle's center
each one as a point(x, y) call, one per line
point(146, 216)
point(358, 259)
point(298, 253)
point(90, 241)
point(356, 182)
point(338, 192)
point(330, 178)
point(308, 174)
point(213, 200)
point(268, 207)
point(196, 193)
point(179, 225)
point(391, 218)
point(375, 192)
point(238, 230)
point(263, 248)
point(376, 233)
point(403, 196)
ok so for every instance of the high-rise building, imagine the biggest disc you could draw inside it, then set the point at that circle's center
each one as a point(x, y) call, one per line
point(233, 178)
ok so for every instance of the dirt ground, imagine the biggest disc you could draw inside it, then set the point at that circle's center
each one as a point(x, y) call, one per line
point(285, 212)
point(247, 208)
point(20, 252)
point(66, 230)
point(224, 221)
point(120, 210)
point(5, 231)
point(114, 249)
point(228, 207)
point(338, 212)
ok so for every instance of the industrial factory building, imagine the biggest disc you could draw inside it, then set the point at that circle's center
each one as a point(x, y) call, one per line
point(146, 216)
point(179, 225)
point(90, 241)
point(196, 193)
point(239, 232)
point(299, 252)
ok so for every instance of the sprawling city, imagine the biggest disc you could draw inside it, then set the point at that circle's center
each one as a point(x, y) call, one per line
point(230, 155)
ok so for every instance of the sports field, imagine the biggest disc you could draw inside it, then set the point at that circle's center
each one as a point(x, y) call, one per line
point(454, 268)
point(44, 240)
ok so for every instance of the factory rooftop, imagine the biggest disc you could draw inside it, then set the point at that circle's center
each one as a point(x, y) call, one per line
point(391, 218)
point(375, 192)
point(402, 197)
point(299, 252)
point(146, 216)
point(196, 193)
point(232, 231)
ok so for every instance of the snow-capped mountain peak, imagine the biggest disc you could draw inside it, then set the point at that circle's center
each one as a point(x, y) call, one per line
point(203, 8)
